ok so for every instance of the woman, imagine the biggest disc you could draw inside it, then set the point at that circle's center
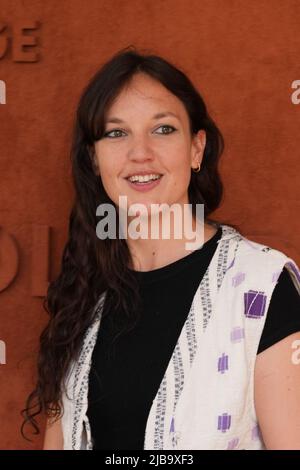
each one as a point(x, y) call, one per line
point(150, 344)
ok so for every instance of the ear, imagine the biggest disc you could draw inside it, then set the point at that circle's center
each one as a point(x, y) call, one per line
point(92, 155)
point(198, 146)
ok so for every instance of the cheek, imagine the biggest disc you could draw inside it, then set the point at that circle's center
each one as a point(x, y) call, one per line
point(181, 176)
point(107, 167)
point(110, 176)
point(180, 182)
point(180, 168)
point(110, 187)
point(179, 159)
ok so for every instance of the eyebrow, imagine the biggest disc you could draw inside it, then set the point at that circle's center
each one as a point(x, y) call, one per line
point(116, 120)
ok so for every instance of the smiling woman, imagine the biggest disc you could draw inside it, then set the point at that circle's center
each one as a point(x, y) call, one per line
point(148, 143)
point(149, 346)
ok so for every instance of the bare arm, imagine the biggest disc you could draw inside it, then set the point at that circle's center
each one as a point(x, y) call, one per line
point(277, 393)
point(53, 439)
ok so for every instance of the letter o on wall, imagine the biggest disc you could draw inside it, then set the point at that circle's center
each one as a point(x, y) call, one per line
point(8, 259)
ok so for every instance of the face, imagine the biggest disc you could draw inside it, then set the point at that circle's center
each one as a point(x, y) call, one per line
point(147, 135)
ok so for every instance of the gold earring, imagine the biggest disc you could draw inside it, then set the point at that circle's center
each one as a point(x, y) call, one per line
point(196, 170)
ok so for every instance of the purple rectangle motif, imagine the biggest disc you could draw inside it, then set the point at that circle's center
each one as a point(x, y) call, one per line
point(233, 443)
point(223, 363)
point(254, 303)
point(237, 334)
point(238, 279)
point(224, 422)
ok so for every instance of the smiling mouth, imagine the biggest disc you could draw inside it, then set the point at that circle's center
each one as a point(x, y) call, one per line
point(142, 182)
point(139, 185)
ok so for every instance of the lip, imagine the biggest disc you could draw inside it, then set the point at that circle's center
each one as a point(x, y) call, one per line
point(143, 187)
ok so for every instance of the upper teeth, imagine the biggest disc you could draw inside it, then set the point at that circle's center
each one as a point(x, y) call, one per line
point(143, 178)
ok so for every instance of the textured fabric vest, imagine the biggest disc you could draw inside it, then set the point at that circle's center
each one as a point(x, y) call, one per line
point(206, 397)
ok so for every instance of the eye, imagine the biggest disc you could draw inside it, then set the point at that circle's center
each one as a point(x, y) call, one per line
point(167, 127)
point(110, 136)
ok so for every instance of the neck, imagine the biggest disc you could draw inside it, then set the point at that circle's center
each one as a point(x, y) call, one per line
point(149, 254)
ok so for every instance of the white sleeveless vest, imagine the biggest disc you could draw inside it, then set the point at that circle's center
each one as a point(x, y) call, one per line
point(206, 397)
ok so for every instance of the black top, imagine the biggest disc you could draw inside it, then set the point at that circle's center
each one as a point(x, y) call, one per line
point(124, 380)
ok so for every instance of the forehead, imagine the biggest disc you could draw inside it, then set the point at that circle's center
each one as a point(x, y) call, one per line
point(145, 94)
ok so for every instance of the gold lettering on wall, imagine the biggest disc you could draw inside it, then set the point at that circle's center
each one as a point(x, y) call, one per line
point(22, 39)
point(9, 259)
point(3, 41)
point(39, 268)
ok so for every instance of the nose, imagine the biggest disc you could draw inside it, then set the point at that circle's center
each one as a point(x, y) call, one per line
point(140, 149)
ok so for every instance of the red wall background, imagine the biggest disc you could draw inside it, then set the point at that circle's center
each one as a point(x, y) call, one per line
point(242, 56)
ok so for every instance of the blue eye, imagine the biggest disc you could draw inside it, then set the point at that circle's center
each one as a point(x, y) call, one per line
point(113, 130)
point(106, 134)
point(164, 127)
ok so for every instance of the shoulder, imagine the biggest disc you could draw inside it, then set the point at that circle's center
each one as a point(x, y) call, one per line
point(266, 252)
point(287, 268)
point(260, 261)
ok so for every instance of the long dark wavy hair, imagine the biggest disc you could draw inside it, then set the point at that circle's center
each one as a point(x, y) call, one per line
point(90, 266)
